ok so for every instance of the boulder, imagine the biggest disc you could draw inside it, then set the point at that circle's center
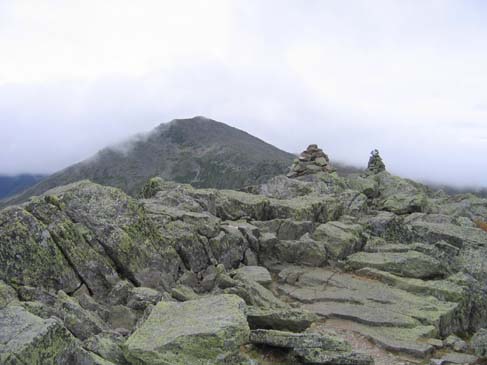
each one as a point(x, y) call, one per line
point(122, 317)
point(108, 345)
point(284, 319)
point(479, 343)
point(340, 239)
point(258, 274)
point(456, 343)
point(183, 293)
point(229, 246)
point(305, 251)
point(140, 298)
point(400, 196)
point(203, 331)
point(28, 339)
point(79, 321)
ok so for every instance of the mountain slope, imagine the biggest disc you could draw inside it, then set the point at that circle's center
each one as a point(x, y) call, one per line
point(11, 185)
point(199, 151)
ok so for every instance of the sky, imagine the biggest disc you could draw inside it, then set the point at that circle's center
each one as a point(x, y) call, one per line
point(406, 77)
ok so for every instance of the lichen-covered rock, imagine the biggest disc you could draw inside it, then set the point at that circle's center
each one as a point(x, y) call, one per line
point(422, 276)
point(479, 343)
point(121, 226)
point(140, 298)
point(286, 229)
point(340, 239)
point(258, 274)
point(29, 255)
point(284, 319)
point(80, 322)
point(411, 264)
point(28, 339)
point(456, 343)
point(454, 358)
point(400, 196)
point(229, 246)
point(183, 293)
point(323, 356)
point(89, 260)
point(204, 331)
point(298, 340)
point(453, 234)
point(254, 294)
point(7, 295)
point(305, 251)
point(107, 345)
point(122, 317)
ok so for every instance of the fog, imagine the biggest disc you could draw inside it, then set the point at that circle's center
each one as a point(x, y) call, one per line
point(406, 77)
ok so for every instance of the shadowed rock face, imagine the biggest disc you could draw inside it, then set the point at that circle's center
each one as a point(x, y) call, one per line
point(91, 275)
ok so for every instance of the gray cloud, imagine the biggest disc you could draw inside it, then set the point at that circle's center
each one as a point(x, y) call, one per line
point(398, 76)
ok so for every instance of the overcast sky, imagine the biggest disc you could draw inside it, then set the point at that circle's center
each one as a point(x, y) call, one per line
point(406, 77)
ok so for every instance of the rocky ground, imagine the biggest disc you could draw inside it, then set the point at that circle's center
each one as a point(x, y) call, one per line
point(317, 269)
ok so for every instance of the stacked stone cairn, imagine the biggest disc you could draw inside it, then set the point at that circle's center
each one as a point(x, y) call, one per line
point(375, 165)
point(311, 161)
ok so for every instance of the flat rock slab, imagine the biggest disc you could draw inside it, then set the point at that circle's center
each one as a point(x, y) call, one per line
point(410, 264)
point(410, 341)
point(321, 356)
point(395, 319)
point(298, 340)
point(205, 331)
point(343, 295)
point(285, 319)
point(366, 315)
point(454, 358)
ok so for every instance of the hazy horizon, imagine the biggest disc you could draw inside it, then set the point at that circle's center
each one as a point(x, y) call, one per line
point(407, 78)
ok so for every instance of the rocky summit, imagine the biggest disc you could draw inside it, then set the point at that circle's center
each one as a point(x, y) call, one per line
point(314, 268)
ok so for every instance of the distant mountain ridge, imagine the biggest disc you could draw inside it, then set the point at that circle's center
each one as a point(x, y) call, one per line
point(11, 185)
point(198, 151)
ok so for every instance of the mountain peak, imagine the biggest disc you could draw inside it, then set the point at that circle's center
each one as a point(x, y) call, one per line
point(198, 150)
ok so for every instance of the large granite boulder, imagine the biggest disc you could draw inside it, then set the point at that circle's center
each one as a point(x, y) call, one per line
point(204, 331)
point(400, 196)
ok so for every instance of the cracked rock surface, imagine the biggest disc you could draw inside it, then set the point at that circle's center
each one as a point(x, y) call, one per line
point(317, 269)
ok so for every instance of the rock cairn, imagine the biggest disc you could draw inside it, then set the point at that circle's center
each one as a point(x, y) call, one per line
point(376, 164)
point(311, 161)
